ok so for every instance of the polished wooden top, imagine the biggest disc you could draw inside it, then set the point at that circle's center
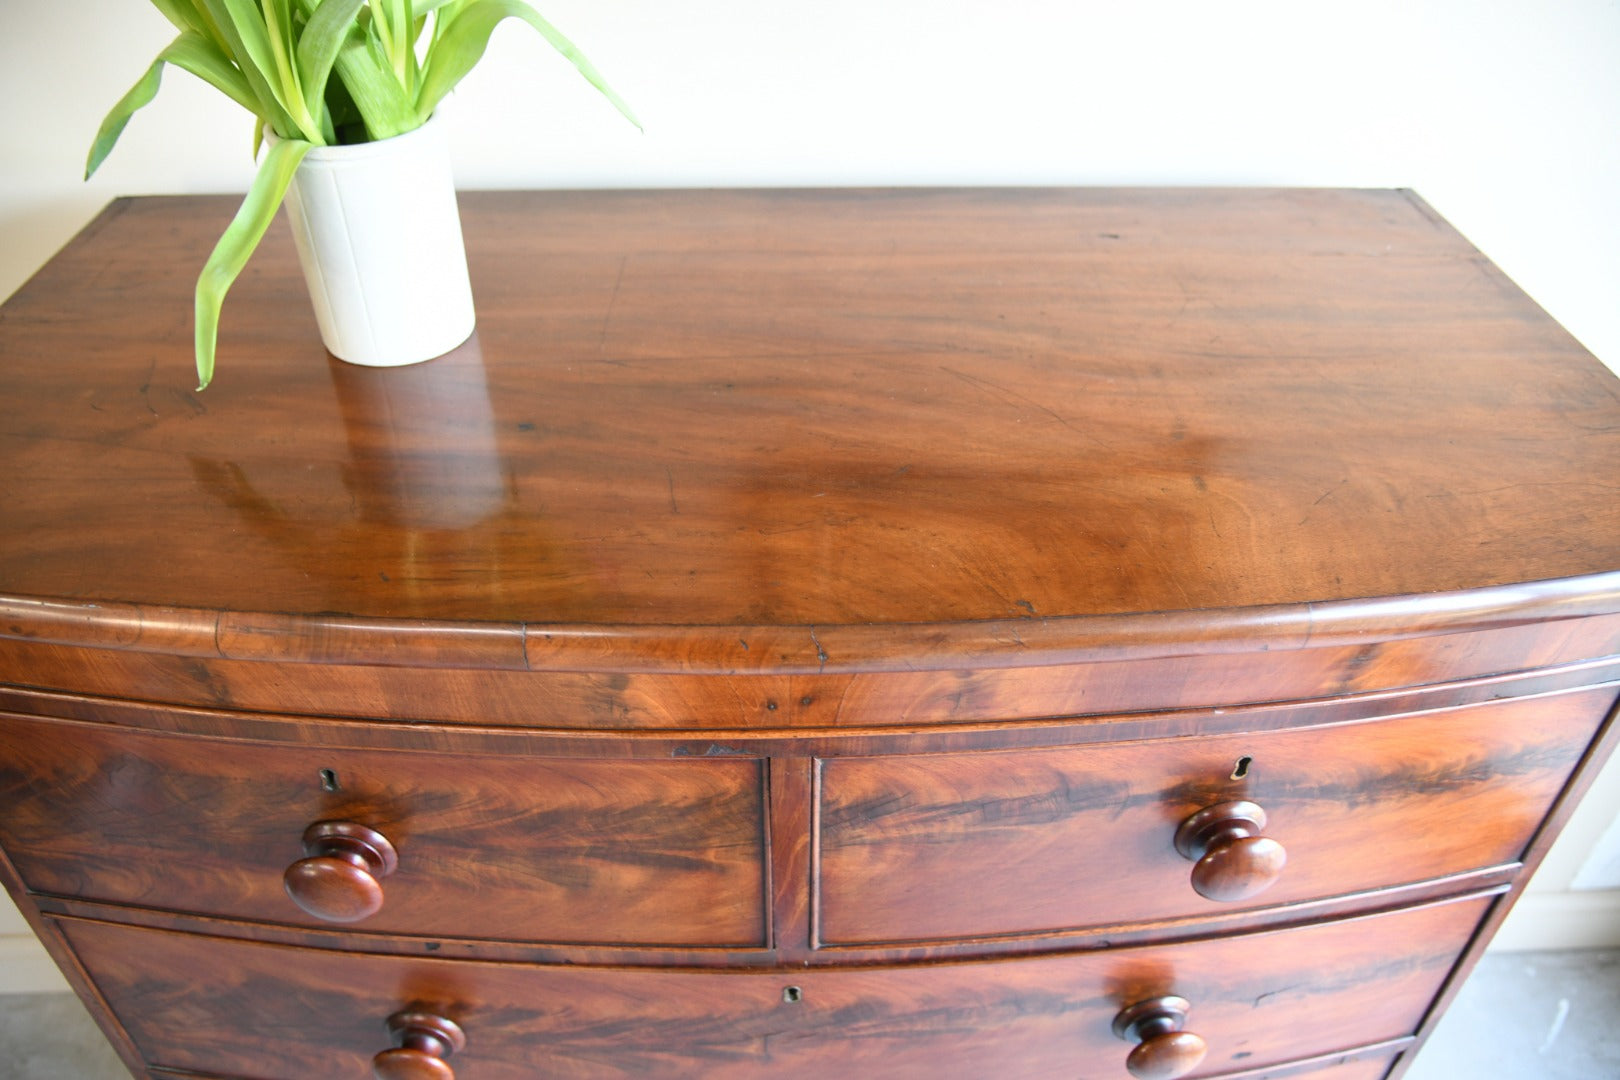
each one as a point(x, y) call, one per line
point(813, 429)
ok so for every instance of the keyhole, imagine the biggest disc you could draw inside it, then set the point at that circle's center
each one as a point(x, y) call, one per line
point(329, 780)
point(792, 995)
point(1242, 768)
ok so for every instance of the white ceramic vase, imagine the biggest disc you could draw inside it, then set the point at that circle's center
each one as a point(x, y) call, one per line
point(379, 237)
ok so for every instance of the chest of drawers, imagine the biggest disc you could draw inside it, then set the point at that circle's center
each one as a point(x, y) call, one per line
point(1008, 634)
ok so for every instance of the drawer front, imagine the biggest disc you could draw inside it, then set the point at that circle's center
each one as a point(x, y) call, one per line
point(1361, 1068)
point(559, 850)
point(963, 845)
point(1368, 1068)
point(271, 1012)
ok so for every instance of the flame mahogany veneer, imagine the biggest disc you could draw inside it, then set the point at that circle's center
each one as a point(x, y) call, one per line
point(936, 633)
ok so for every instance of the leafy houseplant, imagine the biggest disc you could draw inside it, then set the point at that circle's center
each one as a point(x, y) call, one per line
point(318, 73)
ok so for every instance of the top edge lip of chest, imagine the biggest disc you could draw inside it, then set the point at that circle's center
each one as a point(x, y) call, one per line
point(335, 638)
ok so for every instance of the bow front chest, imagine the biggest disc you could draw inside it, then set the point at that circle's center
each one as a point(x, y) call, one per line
point(889, 634)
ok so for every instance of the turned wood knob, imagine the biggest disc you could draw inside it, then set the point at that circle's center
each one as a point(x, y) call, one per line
point(1164, 1051)
point(421, 1043)
point(339, 878)
point(1234, 862)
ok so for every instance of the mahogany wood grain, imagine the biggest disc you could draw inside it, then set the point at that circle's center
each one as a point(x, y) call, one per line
point(654, 853)
point(1340, 1067)
point(1232, 857)
point(595, 701)
point(393, 642)
point(423, 1043)
point(1085, 836)
point(1593, 762)
point(986, 733)
point(1258, 1000)
point(48, 931)
point(790, 411)
point(792, 809)
point(1165, 1049)
point(1343, 1067)
point(1497, 880)
point(786, 638)
point(339, 879)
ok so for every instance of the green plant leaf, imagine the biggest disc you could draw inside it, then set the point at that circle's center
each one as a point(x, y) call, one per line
point(144, 90)
point(381, 28)
point(367, 76)
point(347, 124)
point(238, 243)
point(183, 14)
point(461, 45)
point(392, 25)
point(191, 52)
point(281, 35)
point(201, 57)
point(328, 28)
point(241, 27)
point(365, 82)
point(211, 27)
point(278, 36)
point(444, 13)
point(247, 22)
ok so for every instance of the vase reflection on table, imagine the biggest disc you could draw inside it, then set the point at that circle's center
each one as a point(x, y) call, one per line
point(422, 481)
point(422, 445)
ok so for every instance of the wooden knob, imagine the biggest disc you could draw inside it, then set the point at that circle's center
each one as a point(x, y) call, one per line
point(1164, 1051)
point(1234, 862)
point(422, 1041)
point(339, 879)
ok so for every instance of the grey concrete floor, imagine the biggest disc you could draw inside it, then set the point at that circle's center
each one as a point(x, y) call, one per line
point(1523, 1016)
point(51, 1037)
point(1531, 1016)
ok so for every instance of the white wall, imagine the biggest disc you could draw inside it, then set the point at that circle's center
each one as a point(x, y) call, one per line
point(1505, 115)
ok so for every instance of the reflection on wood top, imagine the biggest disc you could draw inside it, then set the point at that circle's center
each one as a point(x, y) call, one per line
point(987, 422)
